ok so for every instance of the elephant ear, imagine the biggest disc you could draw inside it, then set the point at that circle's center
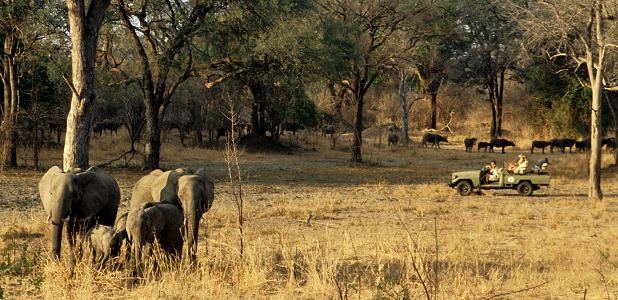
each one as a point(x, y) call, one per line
point(157, 219)
point(45, 186)
point(99, 190)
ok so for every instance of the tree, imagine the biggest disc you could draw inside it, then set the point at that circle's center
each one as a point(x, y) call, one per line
point(490, 53)
point(161, 36)
point(17, 39)
point(579, 32)
point(359, 42)
point(85, 19)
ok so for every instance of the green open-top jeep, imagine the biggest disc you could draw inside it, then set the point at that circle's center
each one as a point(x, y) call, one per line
point(525, 183)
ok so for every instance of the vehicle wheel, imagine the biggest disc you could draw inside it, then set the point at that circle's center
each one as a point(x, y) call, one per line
point(524, 188)
point(464, 188)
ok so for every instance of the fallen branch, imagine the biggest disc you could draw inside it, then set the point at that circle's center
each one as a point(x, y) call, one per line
point(132, 152)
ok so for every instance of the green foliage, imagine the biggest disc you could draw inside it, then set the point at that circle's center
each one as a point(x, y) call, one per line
point(18, 260)
point(302, 110)
point(559, 102)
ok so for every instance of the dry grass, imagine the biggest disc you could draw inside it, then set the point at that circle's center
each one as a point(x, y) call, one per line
point(318, 227)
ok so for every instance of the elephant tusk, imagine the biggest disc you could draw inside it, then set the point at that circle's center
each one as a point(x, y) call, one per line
point(48, 218)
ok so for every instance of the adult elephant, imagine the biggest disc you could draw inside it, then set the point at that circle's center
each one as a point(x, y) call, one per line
point(151, 222)
point(196, 194)
point(193, 195)
point(79, 198)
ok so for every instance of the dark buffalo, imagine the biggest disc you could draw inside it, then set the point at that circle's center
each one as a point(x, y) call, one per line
point(328, 129)
point(562, 144)
point(583, 145)
point(434, 139)
point(469, 143)
point(393, 138)
point(539, 144)
point(483, 145)
point(293, 127)
point(500, 143)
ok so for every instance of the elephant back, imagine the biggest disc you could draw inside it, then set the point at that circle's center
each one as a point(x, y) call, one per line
point(165, 187)
point(142, 191)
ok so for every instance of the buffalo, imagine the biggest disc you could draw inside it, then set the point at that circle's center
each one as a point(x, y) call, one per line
point(434, 139)
point(469, 143)
point(562, 144)
point(328, 129)
point(483, 145)
point(393, 138)
point(539, 144)
point(500, 143)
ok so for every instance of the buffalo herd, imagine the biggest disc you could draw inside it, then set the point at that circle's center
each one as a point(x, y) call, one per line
point(561, 144)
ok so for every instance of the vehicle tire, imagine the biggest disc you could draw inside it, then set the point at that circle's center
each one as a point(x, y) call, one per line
point(524, 188)
point(464, 188)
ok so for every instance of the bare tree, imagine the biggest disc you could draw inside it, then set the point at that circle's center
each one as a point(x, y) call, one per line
point(580, 32)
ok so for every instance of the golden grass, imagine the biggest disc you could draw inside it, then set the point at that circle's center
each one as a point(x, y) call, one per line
point(318, 227)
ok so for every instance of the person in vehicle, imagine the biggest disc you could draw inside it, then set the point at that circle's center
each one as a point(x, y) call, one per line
point(519, 167)
point(492, 172)
point(541, 165)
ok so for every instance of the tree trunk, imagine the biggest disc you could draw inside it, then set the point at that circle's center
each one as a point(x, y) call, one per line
point(84, 25)
point(492, 128)
point(594, 191)
point(612, 101)
point(358, 129)
point(152, 147)
point(404, 108)
point(499, 101)
point(434, 110)
point(11, 101)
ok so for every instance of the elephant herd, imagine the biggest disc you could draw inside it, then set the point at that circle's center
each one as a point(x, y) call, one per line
point(164, 212)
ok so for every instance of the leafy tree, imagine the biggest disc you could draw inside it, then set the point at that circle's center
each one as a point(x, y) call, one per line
point(358, 43)
point(161, 34)
point(490, 53)
point(17, 39)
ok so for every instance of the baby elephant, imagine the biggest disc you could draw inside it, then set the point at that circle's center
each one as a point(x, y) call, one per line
point(154, 221)
point(105, 242)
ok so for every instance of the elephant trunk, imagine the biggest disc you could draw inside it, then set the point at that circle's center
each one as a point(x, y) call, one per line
point(57, 222)
point(192, 220)
point(56, 238)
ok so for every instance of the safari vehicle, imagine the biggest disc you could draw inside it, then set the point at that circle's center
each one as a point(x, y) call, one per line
point(525, 183)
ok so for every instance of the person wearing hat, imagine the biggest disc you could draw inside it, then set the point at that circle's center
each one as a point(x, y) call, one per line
point(521, 165)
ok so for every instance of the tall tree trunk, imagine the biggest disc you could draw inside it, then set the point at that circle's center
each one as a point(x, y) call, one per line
point(152, 146)
point(595, 74)
point(404, 108)
point(9, 83)
point(434, 110)
point(494, 116)
point(612, 101)
point(84, 24)
point(499, 102)
point(357, 155)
